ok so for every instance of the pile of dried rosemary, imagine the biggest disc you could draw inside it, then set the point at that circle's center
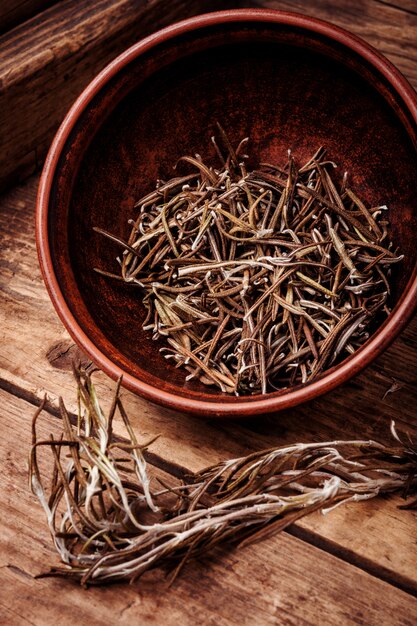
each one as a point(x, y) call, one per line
point(258, 280)
point(110, 521)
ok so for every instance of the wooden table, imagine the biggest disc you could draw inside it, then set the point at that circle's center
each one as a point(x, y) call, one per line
point(357, 565)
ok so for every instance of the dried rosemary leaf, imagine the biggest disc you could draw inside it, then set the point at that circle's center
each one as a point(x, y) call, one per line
point(229, 244)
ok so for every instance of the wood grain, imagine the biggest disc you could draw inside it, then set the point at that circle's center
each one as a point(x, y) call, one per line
point(45, 64)
point(287, 581)
point(402, 5)
point(36, 359)
point(14, 12)
point(353, 566)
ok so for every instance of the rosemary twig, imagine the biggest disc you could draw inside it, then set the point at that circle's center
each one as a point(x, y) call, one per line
point(109, 522)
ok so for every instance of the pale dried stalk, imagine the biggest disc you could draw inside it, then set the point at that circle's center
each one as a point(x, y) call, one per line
point(108, 524)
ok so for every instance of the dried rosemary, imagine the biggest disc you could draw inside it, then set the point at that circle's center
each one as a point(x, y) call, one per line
point(260, 279)
point(109, 523)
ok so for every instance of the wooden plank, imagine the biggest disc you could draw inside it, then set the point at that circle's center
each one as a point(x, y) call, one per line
point(389, 26)
point(35, 358)
point(45, 64)
point(279, 581)
point(14, 12)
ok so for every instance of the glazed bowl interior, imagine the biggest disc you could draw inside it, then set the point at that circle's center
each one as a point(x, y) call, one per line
point(283, 85)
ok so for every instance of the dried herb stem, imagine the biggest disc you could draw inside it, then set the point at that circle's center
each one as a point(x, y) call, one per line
point(227, 243)
point(111, 520)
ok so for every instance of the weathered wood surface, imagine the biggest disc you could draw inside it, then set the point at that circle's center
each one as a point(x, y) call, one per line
point(35, 358)
point(280, 581)
point(15, 12)
point(46, 62)
point(356, 565)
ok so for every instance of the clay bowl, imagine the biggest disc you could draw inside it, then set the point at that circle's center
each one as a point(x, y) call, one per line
point(285, 80)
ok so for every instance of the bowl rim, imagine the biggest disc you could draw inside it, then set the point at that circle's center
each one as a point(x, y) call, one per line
point(251, 405)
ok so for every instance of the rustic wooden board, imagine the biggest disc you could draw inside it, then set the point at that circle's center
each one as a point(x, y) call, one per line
point(46, 62)
point(354, 566)
point(36, 357)
point(280, 581)
point(13, 13)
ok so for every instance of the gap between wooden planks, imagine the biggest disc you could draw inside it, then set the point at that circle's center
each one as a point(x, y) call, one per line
point(35, 358)
point(279, 581)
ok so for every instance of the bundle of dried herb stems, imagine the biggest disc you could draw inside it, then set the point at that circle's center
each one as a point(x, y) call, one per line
point(259, 279)
point(111, 520)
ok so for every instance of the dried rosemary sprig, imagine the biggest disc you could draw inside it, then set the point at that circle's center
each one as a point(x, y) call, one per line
point(108, 523)
point(258, 280)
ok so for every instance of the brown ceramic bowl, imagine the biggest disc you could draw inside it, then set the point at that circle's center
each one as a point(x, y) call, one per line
point(285, 80)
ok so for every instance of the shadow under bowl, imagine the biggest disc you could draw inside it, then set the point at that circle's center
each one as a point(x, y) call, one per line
point(284, 80)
